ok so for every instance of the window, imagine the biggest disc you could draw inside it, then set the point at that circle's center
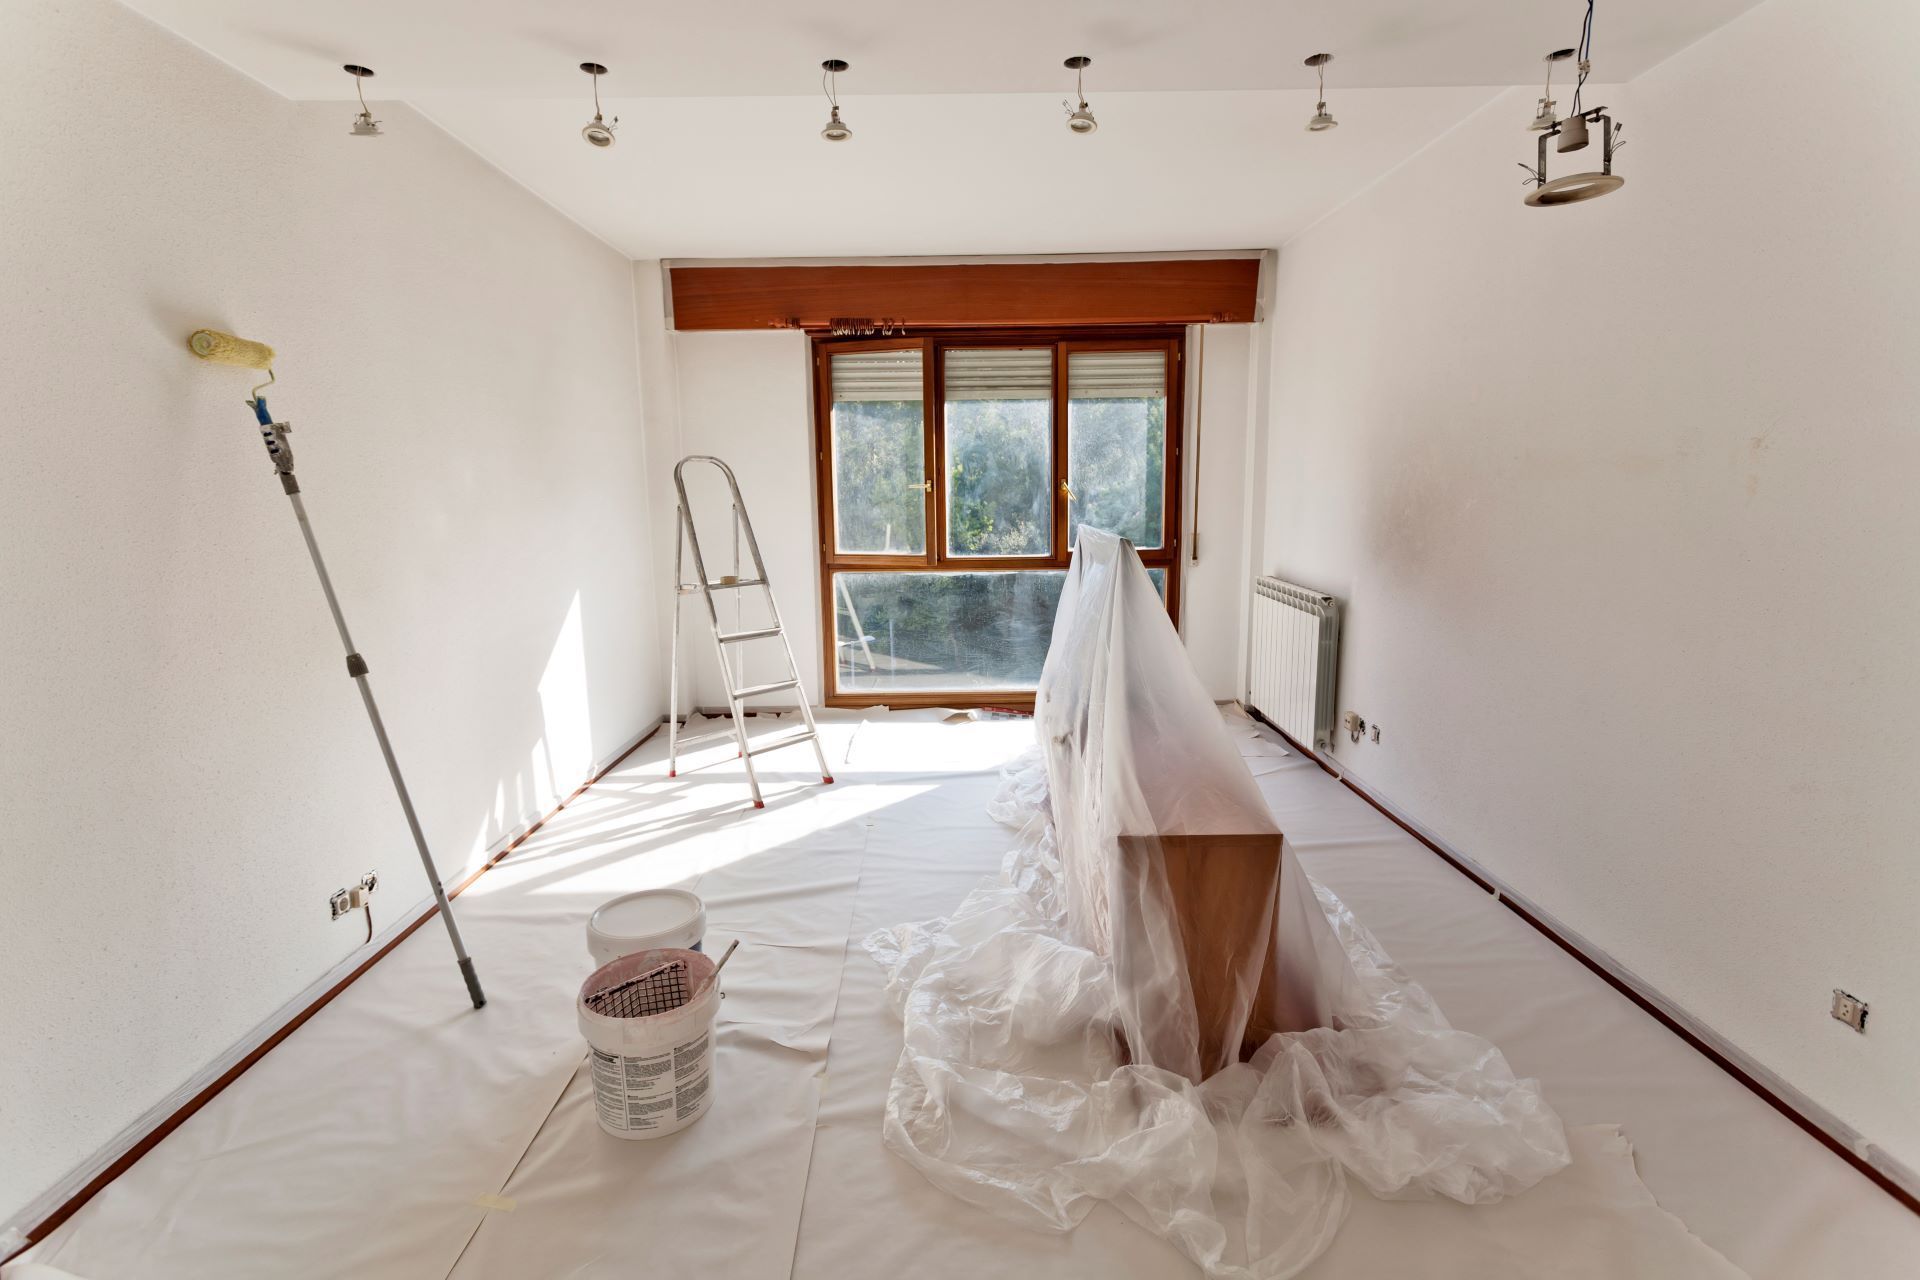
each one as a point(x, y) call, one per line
point(955, 474)
point(1117, 444)
point(879, 463)
point(998, 407)
point(935, 632)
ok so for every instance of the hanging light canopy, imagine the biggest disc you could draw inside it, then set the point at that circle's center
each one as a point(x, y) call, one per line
point(836, 129)
point(598, 131)
point(1321, 121)
point(364, 125)
point(1573, 134)
point(1543, 115)
point(1079, 118)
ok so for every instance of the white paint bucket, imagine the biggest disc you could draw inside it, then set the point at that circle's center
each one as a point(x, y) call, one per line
point(643, 921)
point(652, 1073)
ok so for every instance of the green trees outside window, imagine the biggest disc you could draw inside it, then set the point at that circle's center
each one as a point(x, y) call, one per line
point(1014, 484)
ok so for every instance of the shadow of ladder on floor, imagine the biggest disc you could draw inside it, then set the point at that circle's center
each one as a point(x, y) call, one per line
point(725, 643)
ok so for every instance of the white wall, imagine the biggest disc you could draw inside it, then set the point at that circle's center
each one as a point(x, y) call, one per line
point(188, 772)
point(1214, 587)
point(1620, 498)
point(742, 397)
point(745, 396)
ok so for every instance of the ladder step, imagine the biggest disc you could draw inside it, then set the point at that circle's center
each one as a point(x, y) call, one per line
point(774, 744)
point(755, 690)
point(734, 585)
point(735, 637)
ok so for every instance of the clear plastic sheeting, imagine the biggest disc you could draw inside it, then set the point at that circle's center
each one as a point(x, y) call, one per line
point(1074, 1031)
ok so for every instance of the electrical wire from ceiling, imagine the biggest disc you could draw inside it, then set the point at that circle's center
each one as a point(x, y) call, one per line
point(1585, 64)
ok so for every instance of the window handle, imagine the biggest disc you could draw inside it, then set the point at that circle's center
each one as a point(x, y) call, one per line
point(1066, 492)
point(925, 486)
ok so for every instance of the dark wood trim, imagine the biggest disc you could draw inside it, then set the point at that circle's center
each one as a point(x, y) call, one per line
point(883, 564)
point(1646, 1006)
point(967, 295)
point(1172, 520)
point(1020, 700)
point(152, 1138)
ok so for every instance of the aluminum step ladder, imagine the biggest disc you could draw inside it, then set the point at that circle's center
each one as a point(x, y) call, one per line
point(729, 646)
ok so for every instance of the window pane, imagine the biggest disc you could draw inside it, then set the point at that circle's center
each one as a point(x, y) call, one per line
point(999, 451)
point(1117, 443)
point(1159, 577)
point(879, 453)
point(942, 632)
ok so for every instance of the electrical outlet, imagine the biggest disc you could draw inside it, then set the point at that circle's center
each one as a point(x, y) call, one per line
point(1355, 725)
point(343, 901)
point(1851, 1010)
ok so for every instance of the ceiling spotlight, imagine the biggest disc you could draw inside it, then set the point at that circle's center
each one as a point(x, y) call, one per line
point(598, 131)
point(836, 129)
point(1079, 119)
point(1572, 134)
point(1543, 115)
point(1321, 121)
point(364, 125)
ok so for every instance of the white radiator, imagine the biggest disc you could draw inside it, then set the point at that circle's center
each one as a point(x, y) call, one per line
point(1294, 659)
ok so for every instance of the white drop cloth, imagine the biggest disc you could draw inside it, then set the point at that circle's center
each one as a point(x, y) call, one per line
point(364, 1145)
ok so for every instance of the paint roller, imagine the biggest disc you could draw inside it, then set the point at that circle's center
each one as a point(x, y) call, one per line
point(216, 347)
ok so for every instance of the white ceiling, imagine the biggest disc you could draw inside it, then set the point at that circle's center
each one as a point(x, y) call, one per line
point(734, 48)
point(750, 177)
point(959, 142)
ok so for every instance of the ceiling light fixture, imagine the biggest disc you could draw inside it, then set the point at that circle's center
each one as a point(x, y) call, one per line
point(598, 131)
point(364, 125)
point(1079, 119)
point(1321, 121)
point(1543, 115)
point(836, 129)
point(1571, 134)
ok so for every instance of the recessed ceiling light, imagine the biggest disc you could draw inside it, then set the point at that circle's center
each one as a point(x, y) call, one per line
point(364, 125)
point(1079, 119)
point(599, 130)
point(836, 129)
point(1572, 134)
point(1321, 121)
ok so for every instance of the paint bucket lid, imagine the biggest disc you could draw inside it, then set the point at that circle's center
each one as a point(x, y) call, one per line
point(651, 918)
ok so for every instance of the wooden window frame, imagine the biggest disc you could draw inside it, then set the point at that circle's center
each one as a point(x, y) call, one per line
point(936, 558)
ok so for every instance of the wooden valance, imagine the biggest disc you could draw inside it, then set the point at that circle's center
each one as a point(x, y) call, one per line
point(876, 299)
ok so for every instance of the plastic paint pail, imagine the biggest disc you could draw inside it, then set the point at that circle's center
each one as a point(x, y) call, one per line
point(652, 1074)
point(642, 921)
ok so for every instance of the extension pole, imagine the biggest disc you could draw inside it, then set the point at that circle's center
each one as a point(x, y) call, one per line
point(274, 434)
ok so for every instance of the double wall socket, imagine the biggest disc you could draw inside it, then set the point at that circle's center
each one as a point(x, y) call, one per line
point(1851, 1010)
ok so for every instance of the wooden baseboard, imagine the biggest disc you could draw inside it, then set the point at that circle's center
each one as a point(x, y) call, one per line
point(179, 1115)
point(1882, 1170)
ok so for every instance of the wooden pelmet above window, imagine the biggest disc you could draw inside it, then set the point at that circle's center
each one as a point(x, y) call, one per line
point(871, 299)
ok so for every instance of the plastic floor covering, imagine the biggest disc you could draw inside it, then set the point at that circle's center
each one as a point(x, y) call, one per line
point(401, 1134)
